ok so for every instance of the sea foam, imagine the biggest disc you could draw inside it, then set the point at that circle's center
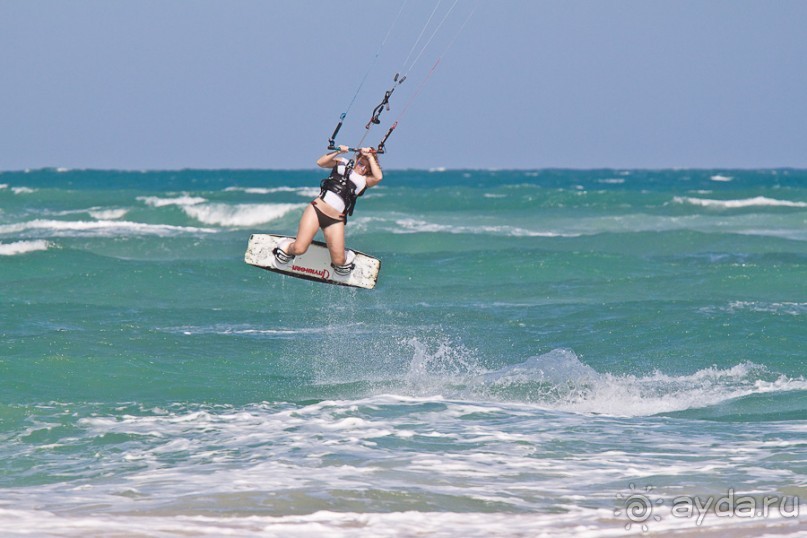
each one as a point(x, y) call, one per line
point(108, 214)
point(308, 192)
point(184, 200)
point(239, 215)
point(101, 228)
point(407, 226)
point(22, 190)
point(560, 381)
point(23, 247)
point(758, 201)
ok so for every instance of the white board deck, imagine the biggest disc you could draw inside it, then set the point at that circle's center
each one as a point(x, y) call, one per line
point(314, 265)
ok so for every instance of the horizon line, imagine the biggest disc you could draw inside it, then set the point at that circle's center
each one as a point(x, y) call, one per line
point(64, 169)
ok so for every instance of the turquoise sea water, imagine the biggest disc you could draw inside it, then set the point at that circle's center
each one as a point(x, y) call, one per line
point(543, 351)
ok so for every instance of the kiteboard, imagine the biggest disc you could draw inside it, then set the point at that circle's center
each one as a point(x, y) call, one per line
point(314, 265)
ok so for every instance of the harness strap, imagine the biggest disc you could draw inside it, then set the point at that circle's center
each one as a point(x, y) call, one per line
point(342, 186)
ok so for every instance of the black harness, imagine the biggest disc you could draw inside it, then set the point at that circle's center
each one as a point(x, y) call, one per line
point(341, 185)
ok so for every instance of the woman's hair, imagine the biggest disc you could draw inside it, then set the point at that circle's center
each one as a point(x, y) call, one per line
point(366, 161)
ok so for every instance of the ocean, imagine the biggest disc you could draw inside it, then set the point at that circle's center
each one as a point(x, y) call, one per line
point(546, 353)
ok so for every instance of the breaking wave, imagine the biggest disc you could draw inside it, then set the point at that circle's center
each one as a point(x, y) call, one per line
point(559, 381)
point(239, 215)
point(758, 201)
point(23, 247)
point(185, 200)
point(101, 228)
point(308, 192)
point(409, 226)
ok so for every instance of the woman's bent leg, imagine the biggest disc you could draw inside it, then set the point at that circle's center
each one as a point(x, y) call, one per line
point(305, 232)
point(335, 239)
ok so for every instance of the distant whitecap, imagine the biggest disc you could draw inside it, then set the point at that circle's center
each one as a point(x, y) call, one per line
point(759, 201)
point(108, 214)
point(100, 228)
point(22, 247)
point(156, 201)
point(22, 190)
point(239, 214)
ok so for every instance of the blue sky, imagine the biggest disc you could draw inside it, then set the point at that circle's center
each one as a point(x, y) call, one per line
point(526, 84)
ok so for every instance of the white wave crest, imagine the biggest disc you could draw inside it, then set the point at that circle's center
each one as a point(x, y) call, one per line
point(320, 523)
point(783, 308)
point(107, 214)
point(758, 201)
point(101, 228)
point(23, 247)
point(244, 330)
point(308, 192)
point(22, 190)
point(240, 214)
point(185, 200)
point(558, 380)
point(405, 226)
